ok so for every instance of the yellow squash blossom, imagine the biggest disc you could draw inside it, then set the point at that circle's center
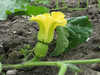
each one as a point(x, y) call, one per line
point(47, 24)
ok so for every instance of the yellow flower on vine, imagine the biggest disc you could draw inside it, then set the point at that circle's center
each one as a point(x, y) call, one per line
point(47, 23)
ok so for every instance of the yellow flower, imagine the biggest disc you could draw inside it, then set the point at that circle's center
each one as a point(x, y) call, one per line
point(47, 24)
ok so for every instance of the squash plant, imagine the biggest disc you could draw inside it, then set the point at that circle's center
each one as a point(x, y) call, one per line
point(70, 33)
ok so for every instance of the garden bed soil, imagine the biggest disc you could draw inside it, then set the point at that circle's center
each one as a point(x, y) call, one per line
point(17, 31)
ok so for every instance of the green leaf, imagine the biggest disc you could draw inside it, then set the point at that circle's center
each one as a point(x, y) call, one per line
point(73, 67)
point(1, 56)
point(42, 1)
point(0, 67)
point(11, 6)
point(26, 46)
point(79, 30)
point(62, 42)
point(33, 10)
point(23, 51)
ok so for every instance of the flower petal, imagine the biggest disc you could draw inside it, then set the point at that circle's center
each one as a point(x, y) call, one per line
point(46, 14)
point(58, 15)
point(37, 18)
point(64, 22)
point(47, 24)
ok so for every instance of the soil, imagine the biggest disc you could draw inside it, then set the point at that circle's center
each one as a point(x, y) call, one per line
point(17, 31)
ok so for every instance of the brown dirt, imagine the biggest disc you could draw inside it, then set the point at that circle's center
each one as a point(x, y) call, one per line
point(17, 31)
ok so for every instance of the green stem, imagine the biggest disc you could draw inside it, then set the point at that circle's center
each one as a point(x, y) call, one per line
point(87, 3)
point(53, 63)
point(27, 57)
point(78, 4)
point(35, 59)
point(98, 4)
point(88, 61)
point(64, 3)
point(76, 73)
point(52, 43)
point(57, 4)
point(28, 64)
point(67, 8)
point(63, 69)
point(31, 50)
point(76, 9)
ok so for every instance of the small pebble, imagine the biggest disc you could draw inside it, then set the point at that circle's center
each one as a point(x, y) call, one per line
point(11, 72)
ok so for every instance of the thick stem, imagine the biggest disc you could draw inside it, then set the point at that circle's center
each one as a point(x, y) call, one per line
point(63, 69)
point(28, 64)
point(88, 61)
point(54, 63)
